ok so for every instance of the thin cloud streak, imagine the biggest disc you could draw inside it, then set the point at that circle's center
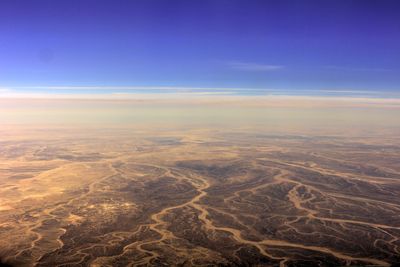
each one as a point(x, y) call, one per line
point(182, 89)
point(112, 91)
point(249, 66)
point(124, 88)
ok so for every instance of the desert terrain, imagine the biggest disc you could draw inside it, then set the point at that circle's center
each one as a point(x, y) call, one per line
point(200, 197)
point(208, 133)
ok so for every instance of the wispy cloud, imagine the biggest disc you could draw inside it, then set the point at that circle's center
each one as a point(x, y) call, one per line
point(135, 89)
point(111, 92)
point(121, 88)
point(250, 66)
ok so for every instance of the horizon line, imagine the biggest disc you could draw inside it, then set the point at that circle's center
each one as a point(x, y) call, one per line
point(112, 91)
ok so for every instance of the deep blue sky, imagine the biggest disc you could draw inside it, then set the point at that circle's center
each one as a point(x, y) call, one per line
point(343, 44)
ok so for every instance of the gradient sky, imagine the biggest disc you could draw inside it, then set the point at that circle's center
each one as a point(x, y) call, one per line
point(290, 45)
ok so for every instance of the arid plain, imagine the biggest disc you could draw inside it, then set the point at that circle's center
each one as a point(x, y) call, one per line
point(188, 194)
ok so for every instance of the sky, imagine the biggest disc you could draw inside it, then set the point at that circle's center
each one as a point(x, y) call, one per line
point(226, 47)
